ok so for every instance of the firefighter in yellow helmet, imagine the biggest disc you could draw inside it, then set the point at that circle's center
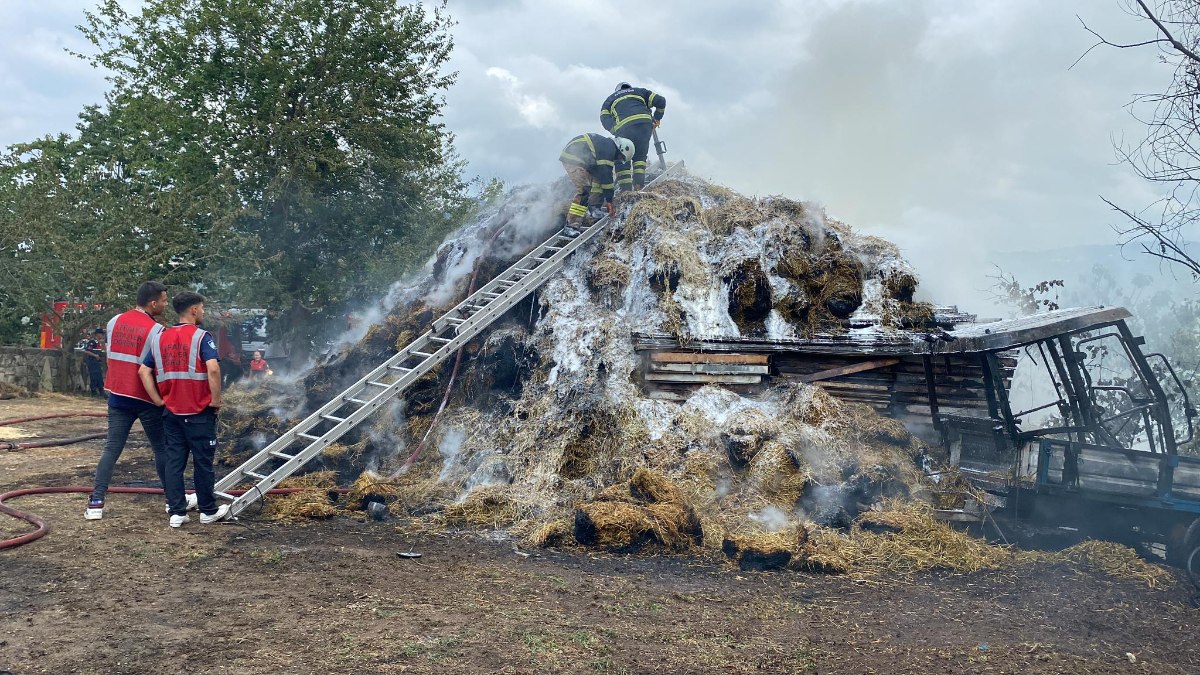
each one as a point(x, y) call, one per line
point(589, 160)
point(627, 113)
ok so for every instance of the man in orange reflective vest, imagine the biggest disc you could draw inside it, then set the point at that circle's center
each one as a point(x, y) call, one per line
point(128, 338)
point(182, 373)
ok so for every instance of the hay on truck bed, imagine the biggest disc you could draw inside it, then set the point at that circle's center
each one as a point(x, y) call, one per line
point(548, 438)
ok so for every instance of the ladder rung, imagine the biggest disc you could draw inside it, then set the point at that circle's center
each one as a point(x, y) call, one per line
point(376, 383)
point(281, 455)
point(401, 369)
point(310, 437)
point(423, 354)
point(555, 248)
point(333, 418)
point(253, 474)
point(438, 339)
point(491, 294)
point(225, 495)
point(351, 399)
point(451, 319)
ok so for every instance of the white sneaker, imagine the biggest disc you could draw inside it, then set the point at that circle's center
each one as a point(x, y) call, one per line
point(94, 510)
point(178, 521)
point(191, 503)
point(222, 511)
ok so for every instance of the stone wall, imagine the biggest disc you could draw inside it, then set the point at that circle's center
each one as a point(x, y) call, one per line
point(37, 369)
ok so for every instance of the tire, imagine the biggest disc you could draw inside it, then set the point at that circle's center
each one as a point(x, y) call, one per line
point(1193, 566)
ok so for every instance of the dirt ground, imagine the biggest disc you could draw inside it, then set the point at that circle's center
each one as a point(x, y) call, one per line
point(127, 594)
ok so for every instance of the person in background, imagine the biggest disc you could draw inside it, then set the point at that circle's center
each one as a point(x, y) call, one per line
point(182, 374)
point(229, 349)
point(93, 357)
point(128, 342)
point(259, 368)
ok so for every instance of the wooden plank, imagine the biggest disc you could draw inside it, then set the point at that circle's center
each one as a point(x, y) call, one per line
point(705, 379)
point(849, 369)
point(710, 368)
point(700, 357)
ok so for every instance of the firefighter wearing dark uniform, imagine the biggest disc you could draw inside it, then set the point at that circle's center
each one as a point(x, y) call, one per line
point(589, 160)
point(626, 113)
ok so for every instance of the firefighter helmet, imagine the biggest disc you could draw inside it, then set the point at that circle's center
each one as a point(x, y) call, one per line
point(625, 147)
point(622, 85)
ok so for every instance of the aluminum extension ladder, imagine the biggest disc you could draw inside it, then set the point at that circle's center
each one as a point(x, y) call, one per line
point(451, 331)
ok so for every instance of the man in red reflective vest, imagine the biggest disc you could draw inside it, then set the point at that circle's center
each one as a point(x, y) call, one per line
point(127, 336)
point(182, 373)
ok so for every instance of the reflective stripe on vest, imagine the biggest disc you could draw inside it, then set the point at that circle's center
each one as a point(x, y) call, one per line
point(632, 118)
point(128, 341)
point(184, 388)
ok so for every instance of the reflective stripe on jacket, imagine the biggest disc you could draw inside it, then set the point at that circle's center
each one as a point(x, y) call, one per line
point(596, 153)
point(128, 343)
point(630, 105)
point(182, 377)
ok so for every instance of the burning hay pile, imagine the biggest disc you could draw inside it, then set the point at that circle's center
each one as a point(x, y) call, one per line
point(541, 431)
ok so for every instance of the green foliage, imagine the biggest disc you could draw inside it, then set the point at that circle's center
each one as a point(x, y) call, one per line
point(285, 154)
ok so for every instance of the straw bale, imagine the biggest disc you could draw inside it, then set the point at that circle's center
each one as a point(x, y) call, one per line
point(487, 506)
point(749, 295)
point(776, 475)
point(299, 506)
point(559, 532)
point(616, 526)
point(650, 486)
point(763, 551)
point(734, 212)
point(8, 390)
point(370, 485)
point(675, 525)
point(900, 285)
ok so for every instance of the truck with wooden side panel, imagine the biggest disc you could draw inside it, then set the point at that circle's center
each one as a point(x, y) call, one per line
point(1096, 449)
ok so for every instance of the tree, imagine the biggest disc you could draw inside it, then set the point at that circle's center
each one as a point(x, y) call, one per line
point(1169, 155)
point(306, 132)
point(76, 231)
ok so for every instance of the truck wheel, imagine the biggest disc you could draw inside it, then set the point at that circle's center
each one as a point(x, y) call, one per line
point(1193, 566)
point(1178, 542)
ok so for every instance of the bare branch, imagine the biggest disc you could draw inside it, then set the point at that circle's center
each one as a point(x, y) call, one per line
point(1179, 46)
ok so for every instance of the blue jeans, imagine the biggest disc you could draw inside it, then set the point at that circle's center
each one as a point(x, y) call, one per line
point(195, 436)
point(119, 423)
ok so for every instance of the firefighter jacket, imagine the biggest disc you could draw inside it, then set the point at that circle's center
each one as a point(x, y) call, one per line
point(596, 153)
point(181, 374)
point(630, 105)
point(129, 336)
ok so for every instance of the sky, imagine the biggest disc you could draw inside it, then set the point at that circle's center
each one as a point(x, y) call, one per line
point(957, 129)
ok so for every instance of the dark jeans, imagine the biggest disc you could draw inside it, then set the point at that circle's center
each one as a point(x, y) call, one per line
point(119, 423)
point(194, 435)
point(634, 174)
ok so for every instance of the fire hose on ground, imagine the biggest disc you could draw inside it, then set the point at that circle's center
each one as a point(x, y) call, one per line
point(43, 528)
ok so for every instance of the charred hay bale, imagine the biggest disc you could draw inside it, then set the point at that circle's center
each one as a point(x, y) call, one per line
point(749, 295)
point(900, 285)
point(609, 274)
point(616, 526)
point(647, 510)
point(765, 551)
point(371, 487)
point(554, 533)
point(915, 315)
point(501, 365)
point(777, 475)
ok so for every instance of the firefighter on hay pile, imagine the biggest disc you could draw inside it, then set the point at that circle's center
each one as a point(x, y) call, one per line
point(626, 113)
point(589, 160)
